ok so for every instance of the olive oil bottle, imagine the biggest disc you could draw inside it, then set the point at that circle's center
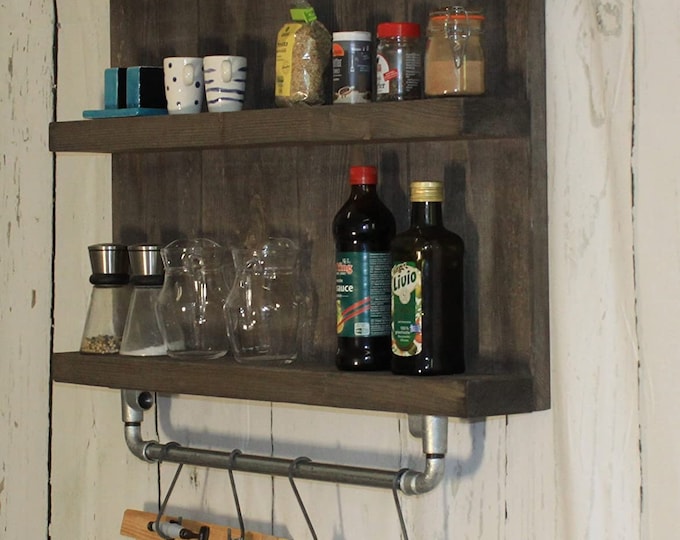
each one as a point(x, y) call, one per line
point(363, 229)
point(427, 290)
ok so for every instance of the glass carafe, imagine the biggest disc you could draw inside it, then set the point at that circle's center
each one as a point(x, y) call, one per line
point(190, 307)
point(265, 304)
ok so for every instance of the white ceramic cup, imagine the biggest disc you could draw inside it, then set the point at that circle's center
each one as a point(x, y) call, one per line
point(183, 84)
point(225, 82)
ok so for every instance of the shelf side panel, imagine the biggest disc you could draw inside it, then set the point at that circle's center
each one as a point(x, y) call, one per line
point(540, 364)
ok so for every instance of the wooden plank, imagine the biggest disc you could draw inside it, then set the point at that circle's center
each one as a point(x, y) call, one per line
point(84, 461)
point(143, 33)
point(305, 383)
point(455, 118)
point(593, 130)
point(157, 197)
point(657, 266)
point(26, 244)
point(538, 203)
point(249, 196)
point(496, 231)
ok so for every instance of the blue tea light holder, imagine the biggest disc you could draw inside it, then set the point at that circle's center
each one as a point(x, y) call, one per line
point(132, 91)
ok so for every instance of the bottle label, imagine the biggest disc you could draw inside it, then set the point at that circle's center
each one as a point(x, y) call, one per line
point(398, 74)
point(285, 43)
point(407, 309)
point(383, 75)
point(362, 294)
point(352, 71)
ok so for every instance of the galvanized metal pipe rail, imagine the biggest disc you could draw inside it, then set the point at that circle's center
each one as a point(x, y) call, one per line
point(431, 429)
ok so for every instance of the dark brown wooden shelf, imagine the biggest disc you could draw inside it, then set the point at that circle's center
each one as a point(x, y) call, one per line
point(230, 175)
point(463, 396)
point(411, 121)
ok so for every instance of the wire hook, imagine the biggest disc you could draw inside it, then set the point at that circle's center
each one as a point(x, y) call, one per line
point(232, 457)
point(161, 510)
point(168, 530)
point(291, 472)
point(395, 487)
point(157, 524)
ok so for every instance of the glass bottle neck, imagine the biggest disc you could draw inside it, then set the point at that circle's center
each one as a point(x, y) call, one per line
point(426, 213)
point(363, 189)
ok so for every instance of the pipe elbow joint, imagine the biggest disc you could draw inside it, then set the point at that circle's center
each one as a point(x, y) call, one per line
point(135, 443)
point(417, 483)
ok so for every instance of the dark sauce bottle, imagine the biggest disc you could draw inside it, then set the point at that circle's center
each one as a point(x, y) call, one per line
point(427, 290)
point(363, 229)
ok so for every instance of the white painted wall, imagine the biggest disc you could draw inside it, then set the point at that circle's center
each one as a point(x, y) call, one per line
point(602, 463)
point(94, 477)
point(26, 182)
point(657, 246)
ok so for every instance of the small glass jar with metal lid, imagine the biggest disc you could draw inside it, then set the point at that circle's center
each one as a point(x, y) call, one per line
point(454, 56)
point(142, 335)
point(399, 72)
point(109, 299)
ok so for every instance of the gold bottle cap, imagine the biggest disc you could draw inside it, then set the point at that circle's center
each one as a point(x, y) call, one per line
point(427, 191)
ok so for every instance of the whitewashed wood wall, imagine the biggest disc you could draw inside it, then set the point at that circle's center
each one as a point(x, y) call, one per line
point(26, 183)
point(656, 216)
point(603, 463)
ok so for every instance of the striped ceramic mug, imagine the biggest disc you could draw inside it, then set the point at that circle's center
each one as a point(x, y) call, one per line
point(225, 82)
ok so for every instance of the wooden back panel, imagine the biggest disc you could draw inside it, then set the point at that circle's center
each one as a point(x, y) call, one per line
point(495, 189)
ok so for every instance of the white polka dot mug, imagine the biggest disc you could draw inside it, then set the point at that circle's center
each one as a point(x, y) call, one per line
point(183, 84)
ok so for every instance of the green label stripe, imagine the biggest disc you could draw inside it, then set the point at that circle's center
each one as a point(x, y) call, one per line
point(362, 294)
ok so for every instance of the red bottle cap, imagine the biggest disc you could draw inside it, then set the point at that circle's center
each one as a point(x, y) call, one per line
point(363, 176)
point(398, 29)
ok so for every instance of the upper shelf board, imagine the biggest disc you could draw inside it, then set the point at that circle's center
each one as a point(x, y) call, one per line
point(418, 120)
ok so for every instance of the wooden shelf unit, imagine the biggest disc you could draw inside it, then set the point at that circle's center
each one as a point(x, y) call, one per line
point(283, 171)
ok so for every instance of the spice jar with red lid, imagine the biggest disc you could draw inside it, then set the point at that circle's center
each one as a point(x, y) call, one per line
point(399, 74)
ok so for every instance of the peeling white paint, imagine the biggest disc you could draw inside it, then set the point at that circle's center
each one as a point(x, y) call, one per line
point(25, 267)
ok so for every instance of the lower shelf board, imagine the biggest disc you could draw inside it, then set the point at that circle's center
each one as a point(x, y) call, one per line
point(318, 384)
